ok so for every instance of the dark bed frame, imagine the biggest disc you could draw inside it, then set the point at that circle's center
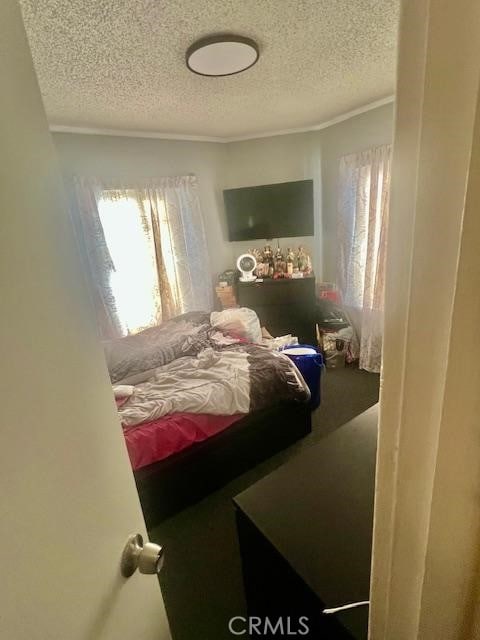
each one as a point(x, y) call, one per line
point(172, 484)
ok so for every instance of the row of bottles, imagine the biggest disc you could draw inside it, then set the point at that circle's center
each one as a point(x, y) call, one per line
point(278, 264)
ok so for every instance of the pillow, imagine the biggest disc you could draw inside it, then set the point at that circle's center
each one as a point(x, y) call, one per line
point(140, 353)
point(239, 323)
point(137, 378)
point(122, 390)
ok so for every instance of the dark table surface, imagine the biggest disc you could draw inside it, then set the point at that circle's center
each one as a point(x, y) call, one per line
point(317, 511)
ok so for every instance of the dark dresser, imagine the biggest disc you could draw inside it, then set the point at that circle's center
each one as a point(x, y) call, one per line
point(305, 534)
point(284, 306)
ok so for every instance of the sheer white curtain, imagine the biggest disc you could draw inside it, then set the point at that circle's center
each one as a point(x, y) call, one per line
point(145, 250)
point(364, 188)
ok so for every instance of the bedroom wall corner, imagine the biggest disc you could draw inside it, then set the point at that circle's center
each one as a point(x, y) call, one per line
point(299, 156)
point(370, 129)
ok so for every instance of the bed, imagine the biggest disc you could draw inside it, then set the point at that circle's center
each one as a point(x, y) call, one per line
point(202, 405)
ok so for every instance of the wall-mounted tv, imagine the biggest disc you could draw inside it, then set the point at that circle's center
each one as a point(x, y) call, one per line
point(281, 210)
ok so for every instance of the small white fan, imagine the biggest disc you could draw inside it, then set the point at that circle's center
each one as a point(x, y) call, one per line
point(246, 264)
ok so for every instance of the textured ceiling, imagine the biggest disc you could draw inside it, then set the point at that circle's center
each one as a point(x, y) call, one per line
point(119, 64)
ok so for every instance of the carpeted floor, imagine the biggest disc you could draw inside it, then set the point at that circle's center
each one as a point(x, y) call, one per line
point(201, 579)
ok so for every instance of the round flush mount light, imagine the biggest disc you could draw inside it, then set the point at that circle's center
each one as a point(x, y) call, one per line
point(222, 55)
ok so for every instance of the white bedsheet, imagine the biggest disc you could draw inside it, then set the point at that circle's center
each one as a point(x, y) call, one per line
point(216, 383)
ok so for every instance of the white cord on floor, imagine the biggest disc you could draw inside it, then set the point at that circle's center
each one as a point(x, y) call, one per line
point(353, 605)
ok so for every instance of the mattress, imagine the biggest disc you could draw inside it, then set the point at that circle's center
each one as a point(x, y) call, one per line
point(156, 440)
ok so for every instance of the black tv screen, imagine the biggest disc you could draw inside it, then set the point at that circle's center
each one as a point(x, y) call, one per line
point(281, 210)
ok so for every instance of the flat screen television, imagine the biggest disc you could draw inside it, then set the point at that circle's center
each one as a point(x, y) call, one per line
point(281, 210)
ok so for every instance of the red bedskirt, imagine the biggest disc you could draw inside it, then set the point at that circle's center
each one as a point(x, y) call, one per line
point(153, 441)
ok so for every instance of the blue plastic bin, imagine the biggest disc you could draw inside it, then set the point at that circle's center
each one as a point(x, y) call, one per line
point(309, 362)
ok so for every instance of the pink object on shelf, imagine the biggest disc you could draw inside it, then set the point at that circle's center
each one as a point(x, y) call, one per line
point(332, 295)
point(153, 441)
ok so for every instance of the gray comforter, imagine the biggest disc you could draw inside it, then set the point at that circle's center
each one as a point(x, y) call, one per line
point(191, 367)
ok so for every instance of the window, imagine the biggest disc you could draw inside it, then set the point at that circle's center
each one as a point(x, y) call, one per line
point(364, 187)
point(134, 282)
point(146, 252)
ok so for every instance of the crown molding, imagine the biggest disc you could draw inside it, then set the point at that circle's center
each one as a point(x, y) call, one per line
point(124, 133)
point(94, 131)
point(316, 127)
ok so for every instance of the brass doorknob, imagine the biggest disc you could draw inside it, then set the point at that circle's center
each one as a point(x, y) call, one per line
point(147, 558)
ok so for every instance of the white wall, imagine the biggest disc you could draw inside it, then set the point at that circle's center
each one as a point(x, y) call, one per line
point(276, 159)
point(218, 166)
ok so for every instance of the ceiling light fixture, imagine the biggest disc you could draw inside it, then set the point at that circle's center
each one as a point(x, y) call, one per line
point(222, 55)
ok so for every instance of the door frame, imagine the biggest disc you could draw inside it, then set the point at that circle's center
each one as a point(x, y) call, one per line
point(426, 524)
